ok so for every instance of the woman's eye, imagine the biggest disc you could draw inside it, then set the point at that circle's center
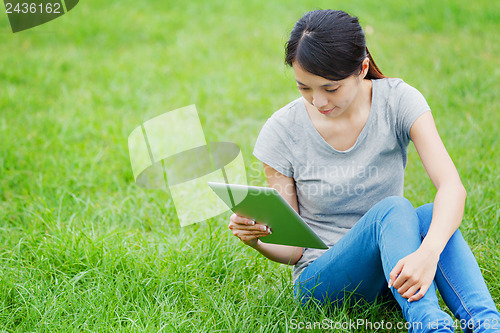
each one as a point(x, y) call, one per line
point(333, 90)
point(303, 88)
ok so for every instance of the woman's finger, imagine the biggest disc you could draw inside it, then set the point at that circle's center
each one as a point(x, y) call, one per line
point(408, 284)
point(235, 218)
point(410, 292)
point(420, 294)
point(250, 237)
point(252, 232)
point(234, 225)
point(255, 227)
point(394, 273)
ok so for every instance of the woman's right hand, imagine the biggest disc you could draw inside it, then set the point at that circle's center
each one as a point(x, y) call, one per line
point(247, 230)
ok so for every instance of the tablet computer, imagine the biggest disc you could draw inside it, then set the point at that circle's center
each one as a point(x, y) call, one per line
point(265, 205)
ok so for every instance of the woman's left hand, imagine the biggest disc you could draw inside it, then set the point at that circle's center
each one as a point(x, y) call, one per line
point(414, 273)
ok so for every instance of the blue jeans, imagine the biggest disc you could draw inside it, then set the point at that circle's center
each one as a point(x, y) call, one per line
point(361, 261)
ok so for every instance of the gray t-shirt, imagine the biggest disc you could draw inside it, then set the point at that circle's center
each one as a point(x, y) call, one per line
point(336, 188)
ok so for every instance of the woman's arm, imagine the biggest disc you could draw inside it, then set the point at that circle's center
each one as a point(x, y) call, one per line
point(449, 201)
point(417, 270)
point(249, 234)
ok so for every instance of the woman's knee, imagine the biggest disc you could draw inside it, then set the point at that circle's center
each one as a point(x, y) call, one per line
point(401, 205)
point(396, 211)
point(396, 203)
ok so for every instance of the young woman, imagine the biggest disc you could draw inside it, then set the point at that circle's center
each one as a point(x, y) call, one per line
point(338, 155)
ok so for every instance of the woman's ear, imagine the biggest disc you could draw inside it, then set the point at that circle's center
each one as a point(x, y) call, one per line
point(365, 67)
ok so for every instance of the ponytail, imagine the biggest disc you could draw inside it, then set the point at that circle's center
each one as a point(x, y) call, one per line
point(373, 71)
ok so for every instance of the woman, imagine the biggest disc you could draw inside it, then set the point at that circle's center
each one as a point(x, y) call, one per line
point(338, 155)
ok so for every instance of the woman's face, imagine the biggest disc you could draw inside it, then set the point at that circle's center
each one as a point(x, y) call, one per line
point(330, 98)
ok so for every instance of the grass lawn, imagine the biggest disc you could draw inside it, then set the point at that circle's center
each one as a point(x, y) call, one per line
point(84, 249)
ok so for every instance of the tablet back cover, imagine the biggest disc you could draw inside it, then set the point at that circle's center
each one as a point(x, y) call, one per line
point(265, 205)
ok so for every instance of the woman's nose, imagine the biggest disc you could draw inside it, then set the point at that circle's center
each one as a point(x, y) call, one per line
point(319, 101)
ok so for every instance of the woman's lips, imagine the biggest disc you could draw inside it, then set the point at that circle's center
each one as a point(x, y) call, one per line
point(326, 111)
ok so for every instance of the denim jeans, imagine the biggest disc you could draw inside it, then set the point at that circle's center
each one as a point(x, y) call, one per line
point(360, 263)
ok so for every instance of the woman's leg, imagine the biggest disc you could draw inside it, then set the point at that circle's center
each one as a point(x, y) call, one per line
point(460, 282)
point(362, 260)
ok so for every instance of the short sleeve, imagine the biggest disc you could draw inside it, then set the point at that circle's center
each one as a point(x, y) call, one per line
point(271, 147)
point(412, 104)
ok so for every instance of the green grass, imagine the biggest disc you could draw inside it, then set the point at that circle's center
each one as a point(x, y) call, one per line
point(83, 249)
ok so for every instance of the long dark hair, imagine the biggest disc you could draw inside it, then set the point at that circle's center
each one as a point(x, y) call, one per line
point(331, 44)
